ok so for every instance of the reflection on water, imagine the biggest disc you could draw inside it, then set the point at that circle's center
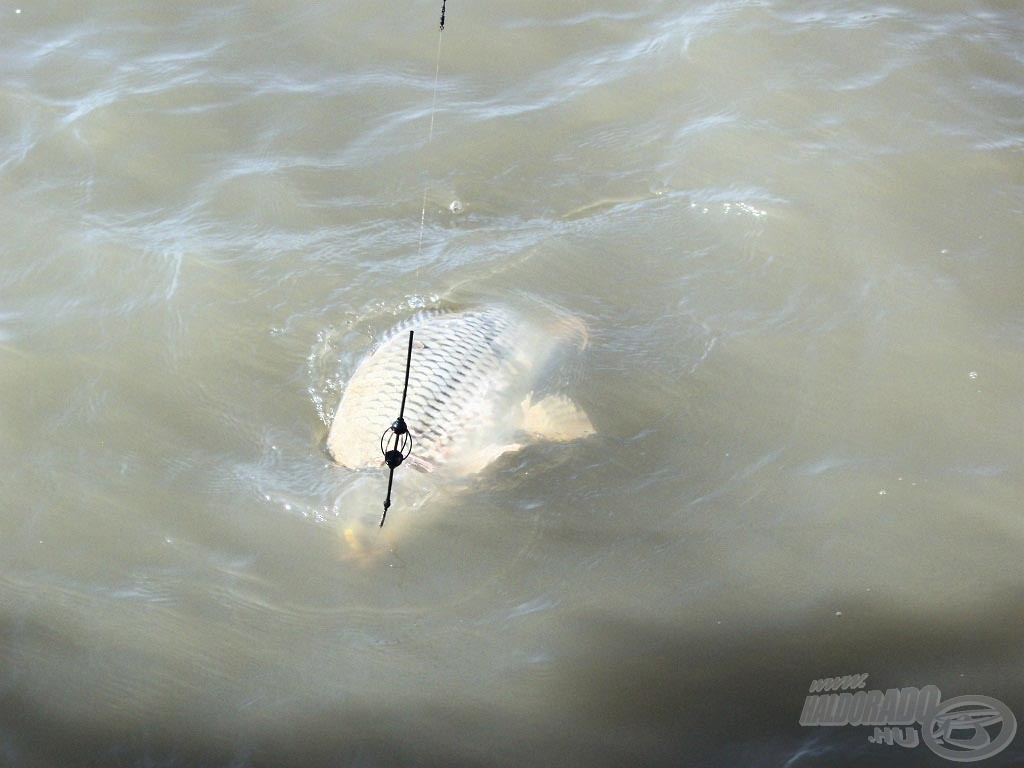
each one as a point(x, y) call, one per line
point(793, 233)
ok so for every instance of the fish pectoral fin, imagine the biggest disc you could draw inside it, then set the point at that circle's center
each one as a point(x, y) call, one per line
point(555, 417)
point(484, 456)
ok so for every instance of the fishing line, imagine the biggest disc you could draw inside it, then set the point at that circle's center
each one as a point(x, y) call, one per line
point(401, 448)
point(430, 135)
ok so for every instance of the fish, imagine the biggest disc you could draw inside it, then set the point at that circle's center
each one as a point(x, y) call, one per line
point(472, 393)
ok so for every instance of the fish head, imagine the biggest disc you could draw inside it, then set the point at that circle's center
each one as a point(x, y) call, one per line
point(366, 534)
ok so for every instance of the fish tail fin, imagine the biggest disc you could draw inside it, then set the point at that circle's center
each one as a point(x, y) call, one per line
point(555, 417)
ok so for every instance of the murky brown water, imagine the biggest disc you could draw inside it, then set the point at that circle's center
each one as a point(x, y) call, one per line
point(794, 230)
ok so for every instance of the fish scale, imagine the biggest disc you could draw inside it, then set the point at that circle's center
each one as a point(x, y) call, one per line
point(470, 374)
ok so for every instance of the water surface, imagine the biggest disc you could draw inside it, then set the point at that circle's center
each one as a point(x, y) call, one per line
point(793, 229)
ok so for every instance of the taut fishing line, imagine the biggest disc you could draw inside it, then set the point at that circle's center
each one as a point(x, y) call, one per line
point(430, 135)
point(401, 448)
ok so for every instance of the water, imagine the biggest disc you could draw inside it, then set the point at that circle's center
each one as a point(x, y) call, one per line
point(794, 230)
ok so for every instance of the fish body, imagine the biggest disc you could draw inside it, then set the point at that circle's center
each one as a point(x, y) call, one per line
point(471, 397)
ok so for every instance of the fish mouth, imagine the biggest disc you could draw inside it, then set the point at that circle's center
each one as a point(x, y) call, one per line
point(358, 538)
point(362, 546)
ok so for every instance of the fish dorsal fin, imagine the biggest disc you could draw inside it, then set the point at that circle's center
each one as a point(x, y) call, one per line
point(555, 417)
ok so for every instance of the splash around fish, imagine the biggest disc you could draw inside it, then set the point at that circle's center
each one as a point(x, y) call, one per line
point(484, 382)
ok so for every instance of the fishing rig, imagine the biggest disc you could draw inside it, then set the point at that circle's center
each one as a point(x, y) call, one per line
point(396, 440)
point(399, 431)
